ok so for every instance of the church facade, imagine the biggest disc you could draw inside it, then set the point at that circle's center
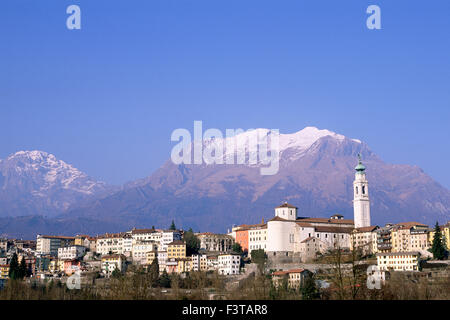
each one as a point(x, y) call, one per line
point(288, 234)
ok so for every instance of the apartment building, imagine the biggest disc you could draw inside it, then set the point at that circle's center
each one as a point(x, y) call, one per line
point(176, 250)
point(294, 278)
point(50, 244)
point(229, 264)
point(364, 239)
point(72, 252)
point(398, 261)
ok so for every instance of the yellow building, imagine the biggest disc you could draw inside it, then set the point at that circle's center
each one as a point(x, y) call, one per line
point(293, 277)
point(152, 255)
point(4, 271)
point(176, 250)
point(364, 239)
point(445, 230)
point(56, 265)
point(409, 236)
point(184, 265)
point(398, 261)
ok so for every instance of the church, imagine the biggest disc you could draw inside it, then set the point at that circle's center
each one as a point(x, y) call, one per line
point(289, 235)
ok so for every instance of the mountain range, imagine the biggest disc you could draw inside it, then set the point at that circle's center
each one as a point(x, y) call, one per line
point(40, 194)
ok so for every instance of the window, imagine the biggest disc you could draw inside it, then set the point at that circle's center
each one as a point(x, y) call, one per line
point(356, 190)
point(363, 189)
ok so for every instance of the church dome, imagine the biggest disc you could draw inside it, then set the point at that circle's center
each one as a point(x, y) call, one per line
point(360, 167)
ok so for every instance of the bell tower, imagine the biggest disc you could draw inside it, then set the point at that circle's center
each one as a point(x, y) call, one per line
point(361, 202)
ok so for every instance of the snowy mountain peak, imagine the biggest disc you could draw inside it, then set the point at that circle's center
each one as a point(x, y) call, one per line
point(40, 173)
point(302, 139)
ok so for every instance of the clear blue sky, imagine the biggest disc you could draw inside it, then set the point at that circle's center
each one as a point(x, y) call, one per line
point(107, 97)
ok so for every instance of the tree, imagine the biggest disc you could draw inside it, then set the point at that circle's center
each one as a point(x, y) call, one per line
point(259, 257)
point(164, 280)
point(192, 242)
point(237, 248)
point(308, 289)
point(116, 273)
point(14, 268)
point(23, 270)
point(438, 248)
point(172, 226)
point(154, 272)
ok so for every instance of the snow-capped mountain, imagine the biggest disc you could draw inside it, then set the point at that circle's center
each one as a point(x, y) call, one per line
point(316, 174)
point(35, 182)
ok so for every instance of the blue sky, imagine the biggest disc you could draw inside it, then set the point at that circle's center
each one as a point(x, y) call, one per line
point(107, 97)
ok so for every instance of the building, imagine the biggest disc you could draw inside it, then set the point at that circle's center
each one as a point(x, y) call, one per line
point(285, 231)
point(241, 234)
point(72, 252)
point(409, 236)
point(4, 271)
point(398, 261)
point(71, 266)
point(113, 262)
point(184, 265)
point(146, 235)
point(140, 250)
point(361, 202)
point(384, 238)
point(310, 248)
point(90, 243)
point(169, 236)
point(293, 278)
point(199, 262)
point(257, 237)
point(215, 242)
point(114, 243)
point(229, 264)
point(176, 250)
point(51, 244)
point(212, 263)
point(365, 240)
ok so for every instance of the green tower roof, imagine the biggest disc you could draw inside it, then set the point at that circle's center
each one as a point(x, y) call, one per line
point(360, 167)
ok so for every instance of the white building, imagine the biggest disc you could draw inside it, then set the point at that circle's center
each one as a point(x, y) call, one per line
point(51, 244)
point(229, 264)
point(398, 261)
point(361, 202)
point(283, 235)
point(113, 262)
point(140, 250)
point(168, 236)
point(113, 243)
point(72, 252)
point(257, 238)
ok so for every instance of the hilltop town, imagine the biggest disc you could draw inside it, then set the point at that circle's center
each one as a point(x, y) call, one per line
point(288, 249)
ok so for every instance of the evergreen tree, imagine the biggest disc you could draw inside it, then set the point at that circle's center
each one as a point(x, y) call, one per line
point(172, 226)
point(237, 248)
point(23, 269)
point(192, 242)
point(438, 248)
point(14, 268)
point(164, 280)
point(308, 289)
point(154, 272)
